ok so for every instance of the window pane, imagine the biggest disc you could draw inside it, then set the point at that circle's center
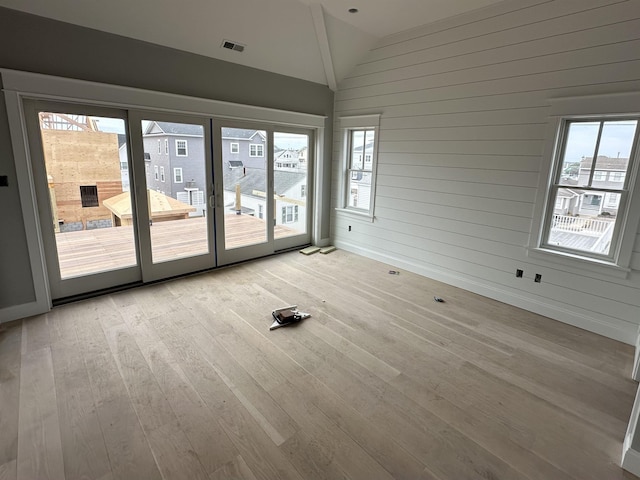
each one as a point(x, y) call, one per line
point(245, 188)
point(614, 152)
point(368, 149)
point(290, 178)
point(578, 152)
point(357, 149)
point(584, 220)
point(89, 192)
point(177, 209)
point(359, 190)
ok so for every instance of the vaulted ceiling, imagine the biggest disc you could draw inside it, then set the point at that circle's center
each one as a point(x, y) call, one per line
point(315, 40)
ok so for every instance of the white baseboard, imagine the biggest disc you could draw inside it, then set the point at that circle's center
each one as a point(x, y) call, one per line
point(631, 461)
point(627, 335)
point(22, 311)
point(630, 457)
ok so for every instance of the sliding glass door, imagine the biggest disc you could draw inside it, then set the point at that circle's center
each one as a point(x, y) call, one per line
point(82, 173)
point(262, 189)
point(173, 179)
point(129, 196)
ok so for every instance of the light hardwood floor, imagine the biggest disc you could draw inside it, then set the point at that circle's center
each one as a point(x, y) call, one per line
point(183, 380)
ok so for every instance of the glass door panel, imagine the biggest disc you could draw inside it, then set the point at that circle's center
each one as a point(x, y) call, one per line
point(244, 166)
point(81, 169)
point(290, 183)
point(174, 180)
point(176, 177)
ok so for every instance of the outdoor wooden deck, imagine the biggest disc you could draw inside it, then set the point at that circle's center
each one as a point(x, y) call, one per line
point(91, 251)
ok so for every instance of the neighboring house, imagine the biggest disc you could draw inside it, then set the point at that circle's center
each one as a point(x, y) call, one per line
point(289, 195)
point(83, 168)
point(175, 162)
point(243, 145)
point(291, 159)
point(609, 173)
point(568, 201)
point(244, 153)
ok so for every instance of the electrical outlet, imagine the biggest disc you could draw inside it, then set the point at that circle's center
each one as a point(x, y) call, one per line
point(538, 278)
point(519, 273)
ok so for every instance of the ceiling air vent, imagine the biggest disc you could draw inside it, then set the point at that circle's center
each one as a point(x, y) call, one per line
point(238, 47)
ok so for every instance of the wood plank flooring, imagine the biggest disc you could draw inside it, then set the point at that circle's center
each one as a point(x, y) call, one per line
point(86, 252)
point(183, 380)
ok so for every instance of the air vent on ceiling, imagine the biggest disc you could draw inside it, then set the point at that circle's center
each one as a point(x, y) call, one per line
point(238, 47)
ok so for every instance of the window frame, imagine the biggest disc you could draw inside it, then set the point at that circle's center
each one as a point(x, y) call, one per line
point(236, 145)
point(162, 175)
point(290, 211)
point(166, 146)
point(260, 147)
point(89, 199)
point(156, 173)
point(186, 148)
point(347, 126)
point(608, 107)
point(177, 170)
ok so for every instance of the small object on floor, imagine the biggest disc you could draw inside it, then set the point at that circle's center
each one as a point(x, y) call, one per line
point(394, 272)
point(287, 316)
point(310, 250)
point(439, 299)
point(329, 249)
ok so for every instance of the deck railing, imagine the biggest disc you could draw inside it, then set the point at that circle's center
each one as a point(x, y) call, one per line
point(584, 225)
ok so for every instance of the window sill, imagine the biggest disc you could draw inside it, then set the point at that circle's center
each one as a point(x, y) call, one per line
point(580, 265)
point(355, 213)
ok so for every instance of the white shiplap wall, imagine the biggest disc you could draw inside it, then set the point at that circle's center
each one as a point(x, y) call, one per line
point(464, 108)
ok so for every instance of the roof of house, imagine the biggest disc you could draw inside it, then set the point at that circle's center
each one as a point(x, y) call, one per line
point(605, 163)
point(171, 128)
point(239, 133)
point(290, 154)
point(253, 179)
point(368, 147)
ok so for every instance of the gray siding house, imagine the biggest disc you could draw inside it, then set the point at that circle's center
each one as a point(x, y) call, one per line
point(175, 162)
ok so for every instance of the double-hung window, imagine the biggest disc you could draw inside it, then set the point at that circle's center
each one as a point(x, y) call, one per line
point(256, 150)
point(290, 214)
point(181, 148)
point(360, 154)
point(177, 175)
point(588, 217)
point(589, 149)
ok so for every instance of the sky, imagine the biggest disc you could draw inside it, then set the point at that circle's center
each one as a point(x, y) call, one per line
point(616, 141)
point(282, 140)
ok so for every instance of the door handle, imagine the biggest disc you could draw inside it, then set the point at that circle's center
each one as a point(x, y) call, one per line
point(212, 201)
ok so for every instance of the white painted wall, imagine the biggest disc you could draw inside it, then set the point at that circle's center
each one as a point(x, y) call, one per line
point(464, 107)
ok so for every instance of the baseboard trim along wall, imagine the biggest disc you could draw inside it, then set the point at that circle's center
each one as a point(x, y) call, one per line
point(17, 312)
point(592, 324)
point(630, 457)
